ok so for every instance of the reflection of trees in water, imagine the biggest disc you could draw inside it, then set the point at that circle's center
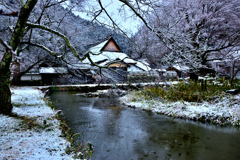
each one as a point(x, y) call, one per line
point(112, 117)
point(103, 103)
point(137, 134)
point(166, 139)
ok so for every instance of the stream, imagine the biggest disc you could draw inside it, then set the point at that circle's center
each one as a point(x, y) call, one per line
point(117, 132)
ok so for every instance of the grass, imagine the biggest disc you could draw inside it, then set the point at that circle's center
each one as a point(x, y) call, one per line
point(29, 123)
point(76, 148)
point(191, 91)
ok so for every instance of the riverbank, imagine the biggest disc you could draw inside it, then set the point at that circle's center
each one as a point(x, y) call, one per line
point(34, 133)
point(225, 110)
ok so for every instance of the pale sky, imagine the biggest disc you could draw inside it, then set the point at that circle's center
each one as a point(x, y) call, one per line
point(122, 18)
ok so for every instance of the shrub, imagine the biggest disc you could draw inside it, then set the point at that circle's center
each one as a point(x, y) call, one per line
point(192, 91)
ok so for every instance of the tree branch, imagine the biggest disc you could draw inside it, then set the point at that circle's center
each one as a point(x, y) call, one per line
point(18, 76)
point(87, 55)
point(31, 25)
point(8, 48)
point(13, 13)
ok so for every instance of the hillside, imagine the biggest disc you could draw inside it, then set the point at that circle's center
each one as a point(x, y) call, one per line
point(81, 33)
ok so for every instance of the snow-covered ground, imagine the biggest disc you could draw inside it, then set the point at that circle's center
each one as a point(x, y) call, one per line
point(38, 140)
point(224, 110)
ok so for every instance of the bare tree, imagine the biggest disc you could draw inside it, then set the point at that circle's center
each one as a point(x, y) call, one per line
point(229, 64)
point(36, 26)
point(22, 34)
point(189, 32)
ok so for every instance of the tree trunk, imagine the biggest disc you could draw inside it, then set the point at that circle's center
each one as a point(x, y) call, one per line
point(16, 80)
point(5, 72)
point(17, 77)
point(16, 73)
point(232, 75)
point(5, 93)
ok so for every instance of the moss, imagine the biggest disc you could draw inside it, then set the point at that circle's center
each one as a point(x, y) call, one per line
point(5, 98)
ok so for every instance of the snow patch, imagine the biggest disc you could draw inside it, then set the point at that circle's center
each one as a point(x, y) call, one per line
point(221, 111)
point(19, 142)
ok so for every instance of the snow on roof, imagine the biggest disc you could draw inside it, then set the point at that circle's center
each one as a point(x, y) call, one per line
point(143, 66)
point(104, 63)
point(161, 70)
point(80, 66)
point(111, 56)
point(106, 57)
point(52, 70)
point(181, 68)
point(98, 56)
point(129, 60)
point(134, 69)
point(144, 61)
point(96, 49)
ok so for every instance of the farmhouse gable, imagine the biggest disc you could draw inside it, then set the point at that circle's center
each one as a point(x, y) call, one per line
point(108, 51)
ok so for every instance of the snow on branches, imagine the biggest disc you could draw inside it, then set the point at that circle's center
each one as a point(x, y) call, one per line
point(9, 48)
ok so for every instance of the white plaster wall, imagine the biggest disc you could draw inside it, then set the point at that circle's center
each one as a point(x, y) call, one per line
point(29, 77)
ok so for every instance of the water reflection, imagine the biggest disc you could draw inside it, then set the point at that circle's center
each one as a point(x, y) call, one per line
point(118, 132)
